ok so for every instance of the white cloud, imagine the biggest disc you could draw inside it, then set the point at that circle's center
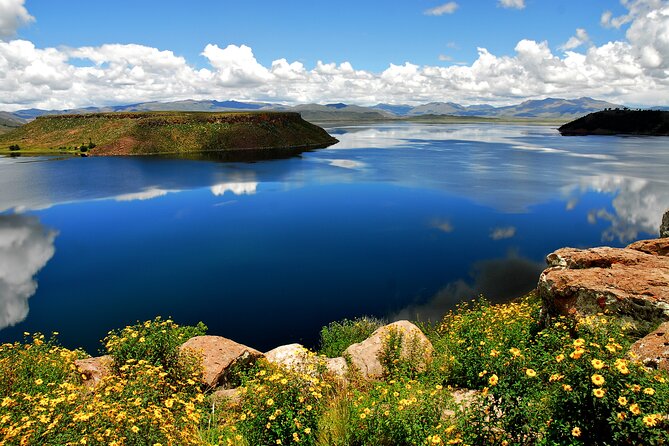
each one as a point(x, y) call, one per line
point(445, 58)
point(503, 233)
point(517, 4)
point(446, 8)
point(240, 188)
point(13, 15)
point(25, 247)
point(632, 71)
point(576, 40)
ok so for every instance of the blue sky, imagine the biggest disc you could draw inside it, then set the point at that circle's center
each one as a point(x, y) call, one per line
point(369, 34)
point(79, 53)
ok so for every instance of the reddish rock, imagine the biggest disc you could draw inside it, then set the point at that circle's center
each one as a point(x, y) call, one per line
point(631, 282)
point(221, 358)
point(653, 349)
point(94, 369)
point(416, 347)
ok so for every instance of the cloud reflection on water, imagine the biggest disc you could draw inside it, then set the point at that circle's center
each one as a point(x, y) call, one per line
point(25, 247)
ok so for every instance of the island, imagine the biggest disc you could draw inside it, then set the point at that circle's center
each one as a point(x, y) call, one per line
point(620, 122)
point(232, 135)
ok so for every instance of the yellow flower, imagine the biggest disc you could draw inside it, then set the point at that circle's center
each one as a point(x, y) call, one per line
point(622, 416)
point(580, 342)
point(566, 387)
point(135, 429)
point(555, 377)
point(576, 432)
point(363, 416)
point(649, 391)
point(38, 382)
point(597, 364)
point(307, 430)
point(514, 351)
point(576, 354)
point(597, 379)
point(270, 402)
point(599, 393)
point(169, 403)
point(493, 380)
point(622, 401)
point(559, 358)
point(634, 408)
point(651, 420)
point(531, 373)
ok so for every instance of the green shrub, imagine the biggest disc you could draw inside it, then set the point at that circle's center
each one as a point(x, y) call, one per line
point(337, 336)
point(43, 401)
point(403, 355)
point(156, 342)
point(281, 407)
point(396, 412)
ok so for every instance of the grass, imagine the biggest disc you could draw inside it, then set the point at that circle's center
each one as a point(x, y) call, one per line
point(564, 382)
point(152, 133)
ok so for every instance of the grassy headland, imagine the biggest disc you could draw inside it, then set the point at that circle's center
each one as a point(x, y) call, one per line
point(529, 381)
point(620, 122)
point(155, 133)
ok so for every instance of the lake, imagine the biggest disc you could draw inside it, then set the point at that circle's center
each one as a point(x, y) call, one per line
point(395, 221)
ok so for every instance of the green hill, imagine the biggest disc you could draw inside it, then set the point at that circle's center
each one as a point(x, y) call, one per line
point(156, 133)
point(620, 122)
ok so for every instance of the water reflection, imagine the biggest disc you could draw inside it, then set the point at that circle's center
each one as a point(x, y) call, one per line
point(497, 279)
point(25, 247)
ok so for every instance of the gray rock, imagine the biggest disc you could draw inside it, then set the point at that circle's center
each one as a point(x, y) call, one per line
point(365, 356)
point(664, 227)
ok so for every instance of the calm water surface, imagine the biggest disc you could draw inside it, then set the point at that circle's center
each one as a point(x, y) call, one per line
point(397, 220)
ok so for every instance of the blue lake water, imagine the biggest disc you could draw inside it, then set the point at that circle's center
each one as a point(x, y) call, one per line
point(395, 221)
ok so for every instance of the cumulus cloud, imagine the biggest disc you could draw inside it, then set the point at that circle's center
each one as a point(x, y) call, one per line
point(446, 8)
point(25, 247)
point(576, 40)
point(629, 71)
point(516, 4)
point(442, 224)
point(13, 15)
point(499, 280)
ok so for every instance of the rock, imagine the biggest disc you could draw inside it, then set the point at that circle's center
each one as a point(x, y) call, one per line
point(94, 369)
point(664, 227)
point(298, 358)
point(226, 397)
point(653, 349)
point(221, 358)
point(631, 282)
point(415, 347)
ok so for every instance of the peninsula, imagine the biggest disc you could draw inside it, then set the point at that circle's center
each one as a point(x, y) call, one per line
point(620, 122)
point(232, 134)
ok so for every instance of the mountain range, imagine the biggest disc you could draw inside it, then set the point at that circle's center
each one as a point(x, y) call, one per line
point(549, 108)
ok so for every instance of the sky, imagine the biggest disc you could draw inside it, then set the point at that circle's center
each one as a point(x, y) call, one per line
point(92, 53)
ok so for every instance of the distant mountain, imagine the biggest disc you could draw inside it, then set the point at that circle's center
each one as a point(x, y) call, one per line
point(9, 121)
point(399, 110)
point(549, 108)
point(555, 108)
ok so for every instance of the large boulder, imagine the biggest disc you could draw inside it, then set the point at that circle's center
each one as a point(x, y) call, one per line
point(631, 282)
point(415, 347)
point(664, 227)
point(298, 358)
point(221, 358)
point(653, 349)
point(93, 369)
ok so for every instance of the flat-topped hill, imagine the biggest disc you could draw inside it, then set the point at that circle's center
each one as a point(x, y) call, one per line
point(155, 133)
point(620, 122)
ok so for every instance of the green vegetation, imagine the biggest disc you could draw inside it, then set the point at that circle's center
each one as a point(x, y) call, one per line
point(337, 336)
point(620, 121)
point(562, 382)
point(152, 133)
